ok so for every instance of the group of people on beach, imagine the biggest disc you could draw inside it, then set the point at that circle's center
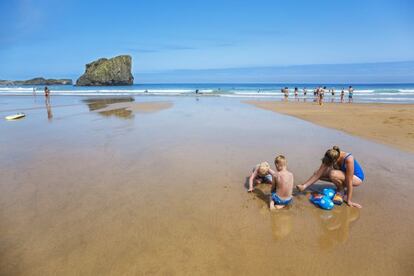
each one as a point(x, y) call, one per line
point(319, 93)
point(337, 167)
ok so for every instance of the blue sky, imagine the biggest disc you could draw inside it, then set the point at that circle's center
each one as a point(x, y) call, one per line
point(199, 40)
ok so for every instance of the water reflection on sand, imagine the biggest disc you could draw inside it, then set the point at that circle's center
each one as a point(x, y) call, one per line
point(282, 225)
point(332, 227)
point(95, 104)
point(49, 109)
point(336, 225)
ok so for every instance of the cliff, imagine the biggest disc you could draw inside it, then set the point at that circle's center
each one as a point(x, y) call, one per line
point(107, 72)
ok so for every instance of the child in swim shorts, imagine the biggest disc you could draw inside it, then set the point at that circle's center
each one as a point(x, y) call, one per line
point(282, 185)
point(262, 173)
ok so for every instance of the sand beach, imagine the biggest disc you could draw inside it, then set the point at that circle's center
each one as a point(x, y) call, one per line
point(164, 192)
point(390, 124)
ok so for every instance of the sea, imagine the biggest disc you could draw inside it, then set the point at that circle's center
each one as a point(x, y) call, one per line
point(364, 93)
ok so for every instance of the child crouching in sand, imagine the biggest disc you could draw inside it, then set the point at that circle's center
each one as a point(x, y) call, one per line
point(262, 173)
point(282, 185)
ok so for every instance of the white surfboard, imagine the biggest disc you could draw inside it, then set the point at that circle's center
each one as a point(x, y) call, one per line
point(15, 116)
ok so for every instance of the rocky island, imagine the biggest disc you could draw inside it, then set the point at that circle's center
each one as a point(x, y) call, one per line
point(37, 81)
point(106, 72)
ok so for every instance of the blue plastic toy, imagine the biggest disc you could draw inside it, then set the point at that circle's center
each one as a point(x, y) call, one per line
point(329, 193)
point(322, 201)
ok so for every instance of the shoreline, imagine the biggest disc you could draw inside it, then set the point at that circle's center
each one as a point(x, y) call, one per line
point(396, 93)
point(389, 124)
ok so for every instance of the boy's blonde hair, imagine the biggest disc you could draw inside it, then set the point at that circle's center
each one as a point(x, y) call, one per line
point(280, 160)
point(263, 168)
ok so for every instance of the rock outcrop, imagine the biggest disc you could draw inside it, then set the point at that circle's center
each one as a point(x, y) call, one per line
point(106, 72)
point(42, 81)
point(38, 81)
point(6, 82)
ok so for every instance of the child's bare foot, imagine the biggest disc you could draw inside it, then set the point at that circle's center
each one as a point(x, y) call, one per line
point(272, 205)
point(280, 206)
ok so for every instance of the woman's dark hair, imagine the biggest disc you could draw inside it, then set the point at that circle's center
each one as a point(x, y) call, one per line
point(331, 156)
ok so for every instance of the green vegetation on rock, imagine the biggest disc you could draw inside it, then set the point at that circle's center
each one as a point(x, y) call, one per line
point(104, 72)
point(38, 81)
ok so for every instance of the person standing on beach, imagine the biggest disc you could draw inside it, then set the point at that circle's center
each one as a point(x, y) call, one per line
point(320, 96)
point(342, 95)
point(286, 92)
point(316, 95)
point(341, 169)
point(350, 94)
point(305, 91)
point(333, 95)
point(47, 92)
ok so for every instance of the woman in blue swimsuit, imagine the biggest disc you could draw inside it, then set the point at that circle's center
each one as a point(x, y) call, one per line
point(341, 169)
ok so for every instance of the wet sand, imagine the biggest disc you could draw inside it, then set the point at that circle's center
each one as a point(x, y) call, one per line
point(138, 107)
point(391, 124)
point(124, 107)
point(163, 193)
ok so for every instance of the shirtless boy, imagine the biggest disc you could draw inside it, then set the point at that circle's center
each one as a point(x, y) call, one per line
point(282, 185)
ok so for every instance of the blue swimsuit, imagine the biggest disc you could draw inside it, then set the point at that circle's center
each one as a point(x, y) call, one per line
point(357, 168)
point(280, 201)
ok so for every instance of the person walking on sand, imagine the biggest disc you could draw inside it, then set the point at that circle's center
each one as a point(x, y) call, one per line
point(340, 168)
point(350, 94)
